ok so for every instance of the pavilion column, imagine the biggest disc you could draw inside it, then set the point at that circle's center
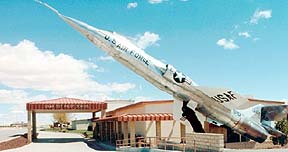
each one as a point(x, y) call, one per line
point(132, 133)
point(34, 129)
point(103, 113)
point(125, 132)
point(158, 129)
point(182, 131)
point(93, 115)
point(29, 136)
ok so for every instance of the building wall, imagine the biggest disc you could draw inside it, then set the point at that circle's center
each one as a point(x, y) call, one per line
point(159, 108)
point(136, 110)
point(81, 124)
point(169, 128)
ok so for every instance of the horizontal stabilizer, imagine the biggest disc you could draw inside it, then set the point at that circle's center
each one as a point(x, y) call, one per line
point(274, 113)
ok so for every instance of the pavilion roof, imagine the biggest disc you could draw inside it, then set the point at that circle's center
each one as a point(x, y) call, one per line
point(66, 104)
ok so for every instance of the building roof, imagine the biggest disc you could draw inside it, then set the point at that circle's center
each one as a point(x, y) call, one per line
point(66, 104)
point(140, 117)
point(139, 104)
point(266, 101)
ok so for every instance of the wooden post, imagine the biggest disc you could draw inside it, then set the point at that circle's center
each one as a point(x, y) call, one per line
point(105, 131)
point(125, 132)
point(101, 130)
point(158, 129)
point(34, 129)
point(110, 132)
point(116, 130)
point(120, 130)
point(29, 136)
point(182, 131)
point(132, 133)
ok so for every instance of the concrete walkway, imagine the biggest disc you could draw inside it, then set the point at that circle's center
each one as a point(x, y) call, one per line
point(9, 133)
point(56, 142)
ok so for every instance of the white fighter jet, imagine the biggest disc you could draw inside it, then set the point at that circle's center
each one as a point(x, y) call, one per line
point(221, 106)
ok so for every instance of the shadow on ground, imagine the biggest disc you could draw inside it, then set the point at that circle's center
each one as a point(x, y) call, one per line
point(92, 143)
point(58, 140)
point(16, 135)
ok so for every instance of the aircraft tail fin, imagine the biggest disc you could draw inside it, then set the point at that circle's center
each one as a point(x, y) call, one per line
point(274, 112)
point(266, 114)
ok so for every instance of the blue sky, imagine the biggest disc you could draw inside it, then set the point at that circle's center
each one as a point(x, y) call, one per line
point(232, 44)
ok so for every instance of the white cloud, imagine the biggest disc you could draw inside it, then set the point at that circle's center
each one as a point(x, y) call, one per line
point(15, 101)
point(227, 44)
point(244, 34)
point(156, 1)
point(18, 96)
point(24, 66)
point(256, 39)
point(147, 39)
point(132, 5)
point(260, 14)
point(105, 58)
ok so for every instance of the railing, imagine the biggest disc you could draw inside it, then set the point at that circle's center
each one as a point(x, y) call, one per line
point(172, 143)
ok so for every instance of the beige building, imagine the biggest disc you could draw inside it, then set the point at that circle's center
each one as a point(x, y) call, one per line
point(82, 124)
point(155, 119)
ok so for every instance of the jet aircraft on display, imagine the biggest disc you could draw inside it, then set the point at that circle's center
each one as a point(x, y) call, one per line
point(222, 107)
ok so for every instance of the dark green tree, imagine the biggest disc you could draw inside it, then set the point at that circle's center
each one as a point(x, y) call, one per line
point(283, 127)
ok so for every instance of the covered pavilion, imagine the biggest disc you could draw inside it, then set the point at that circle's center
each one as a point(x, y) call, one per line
point(66, 105)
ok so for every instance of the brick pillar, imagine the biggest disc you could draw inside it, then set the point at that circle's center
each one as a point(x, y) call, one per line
point(29, 136)
point(34, 128)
